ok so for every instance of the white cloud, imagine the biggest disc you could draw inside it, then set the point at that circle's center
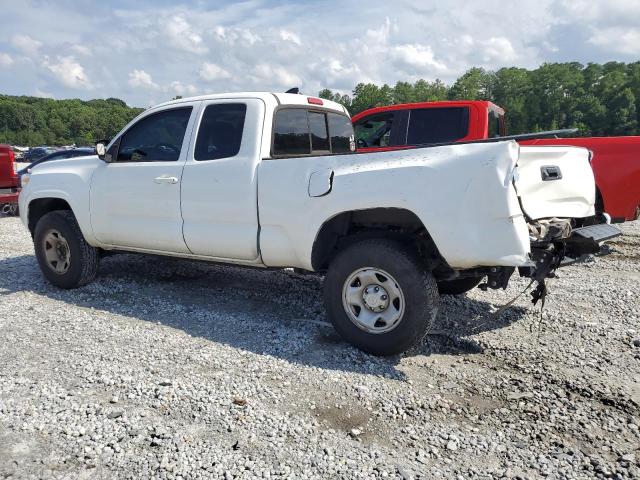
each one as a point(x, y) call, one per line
point(211, 72)
point(42, 93)
point(193, 46)
point(288, 36)
point(180, 89)
point(618, 39)
point(182, 35)
point(69, 72)
point(5, 60)
point(416, 57)
point(498, 49)
point(593, 10)
point(382, 33)
point(276, 76)
point(141, 79)
point(81, 50)
point(236, 36)
point(28, 45)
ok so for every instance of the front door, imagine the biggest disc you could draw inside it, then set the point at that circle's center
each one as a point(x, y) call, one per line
point(135, 200)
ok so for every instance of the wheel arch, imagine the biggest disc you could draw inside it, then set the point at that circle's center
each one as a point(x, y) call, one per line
point(348, 226)
point(39, 207)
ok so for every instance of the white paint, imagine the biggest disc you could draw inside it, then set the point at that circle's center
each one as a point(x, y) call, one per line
point(573, 196)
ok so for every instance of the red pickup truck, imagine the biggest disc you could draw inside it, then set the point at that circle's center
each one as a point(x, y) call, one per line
point(8, 181)
point(615, 160)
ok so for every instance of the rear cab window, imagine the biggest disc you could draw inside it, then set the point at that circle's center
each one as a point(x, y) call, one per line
point(303, 131)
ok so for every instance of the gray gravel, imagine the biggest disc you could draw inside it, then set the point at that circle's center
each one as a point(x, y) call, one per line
point(174, 369)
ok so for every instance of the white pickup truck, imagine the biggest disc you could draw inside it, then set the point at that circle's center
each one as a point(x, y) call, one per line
point(272, 180)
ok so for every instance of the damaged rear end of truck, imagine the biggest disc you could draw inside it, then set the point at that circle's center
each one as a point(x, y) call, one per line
point(556, 192)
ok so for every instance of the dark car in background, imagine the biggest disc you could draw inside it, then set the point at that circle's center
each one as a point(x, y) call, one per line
point(60, 154)
point(37, 153)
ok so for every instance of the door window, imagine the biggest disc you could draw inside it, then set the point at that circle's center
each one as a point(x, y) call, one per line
point(155, 138)
point(437, 125)
point(375, 131)
point(220, 132)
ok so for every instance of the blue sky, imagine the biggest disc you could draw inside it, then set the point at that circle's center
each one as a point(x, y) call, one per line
point(146, 51)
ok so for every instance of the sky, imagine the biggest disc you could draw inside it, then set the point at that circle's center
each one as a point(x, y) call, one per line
point(146, 52)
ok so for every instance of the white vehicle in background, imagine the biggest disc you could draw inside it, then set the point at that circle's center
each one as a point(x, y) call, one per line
point(272, 180)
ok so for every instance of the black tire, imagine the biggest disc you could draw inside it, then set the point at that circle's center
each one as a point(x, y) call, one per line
point(458, 286)
point(416, 283)
point(83, 260)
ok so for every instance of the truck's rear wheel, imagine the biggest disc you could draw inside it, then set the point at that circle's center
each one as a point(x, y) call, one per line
point(64, 256)
point(458, 286)
point(380, 297)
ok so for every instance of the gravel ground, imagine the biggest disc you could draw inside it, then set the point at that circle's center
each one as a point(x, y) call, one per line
point(174, 369)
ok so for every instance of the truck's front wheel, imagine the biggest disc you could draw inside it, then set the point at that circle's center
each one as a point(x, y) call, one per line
point(64, 256)
point(380, 297)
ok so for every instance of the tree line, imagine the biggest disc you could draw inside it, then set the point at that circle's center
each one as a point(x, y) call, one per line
point(44, 121)
point(596, 99)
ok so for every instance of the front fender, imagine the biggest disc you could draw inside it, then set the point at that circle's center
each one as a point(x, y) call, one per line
point(68, 180)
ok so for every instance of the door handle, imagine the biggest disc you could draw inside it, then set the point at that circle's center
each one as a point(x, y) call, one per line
point(165, 179)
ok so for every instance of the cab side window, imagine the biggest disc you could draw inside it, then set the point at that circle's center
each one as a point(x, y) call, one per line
point(220, 132)
point(156, 138)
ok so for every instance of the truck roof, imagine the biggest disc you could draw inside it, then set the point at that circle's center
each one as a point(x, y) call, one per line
point(483, 104)
point(280, 98)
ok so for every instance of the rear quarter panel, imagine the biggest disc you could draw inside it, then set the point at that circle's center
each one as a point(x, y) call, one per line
point(462, 194)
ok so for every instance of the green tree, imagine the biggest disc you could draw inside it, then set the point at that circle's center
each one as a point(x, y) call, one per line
point(475, 84)
point(430, 91)
point(511, 90)
point(367, 95)
point(33, 121)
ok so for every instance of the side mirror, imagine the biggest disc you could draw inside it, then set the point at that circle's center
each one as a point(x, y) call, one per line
point(101, 150)
point(108, 156)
